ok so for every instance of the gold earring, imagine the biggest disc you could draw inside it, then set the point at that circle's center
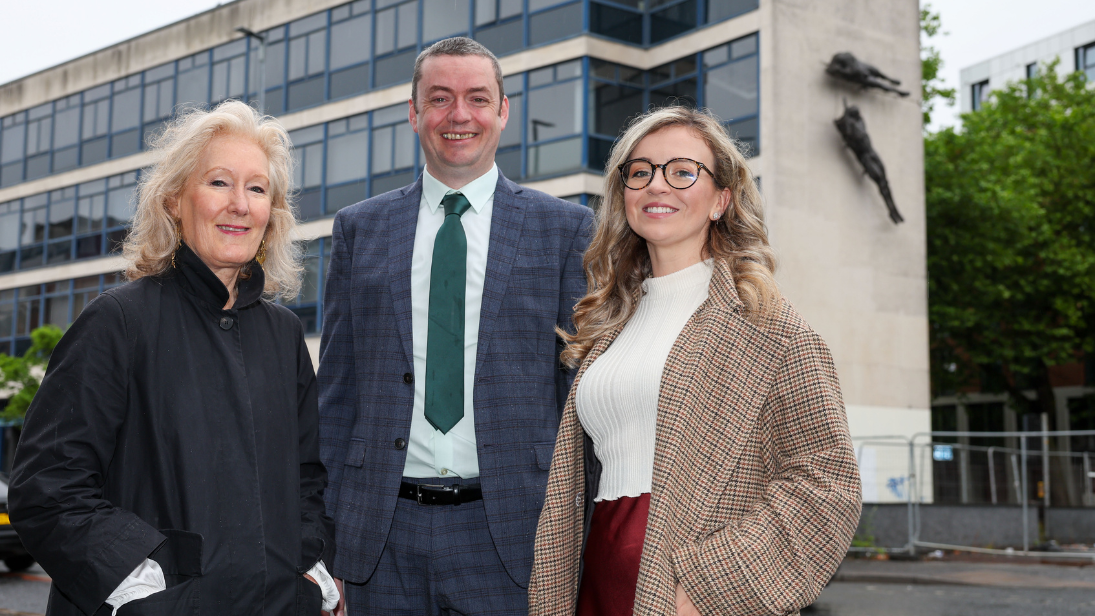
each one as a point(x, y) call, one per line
point(260, 256)
point(178, 240)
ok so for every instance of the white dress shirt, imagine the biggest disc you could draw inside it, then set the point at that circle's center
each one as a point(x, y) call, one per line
point(429, 452)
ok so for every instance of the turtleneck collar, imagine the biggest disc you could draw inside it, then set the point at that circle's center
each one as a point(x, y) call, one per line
point(199, 280)
point(696, 275)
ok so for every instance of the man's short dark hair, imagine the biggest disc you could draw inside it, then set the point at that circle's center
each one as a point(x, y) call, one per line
point(455, 46)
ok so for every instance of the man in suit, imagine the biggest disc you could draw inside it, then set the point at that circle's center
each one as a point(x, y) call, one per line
point(440, 384)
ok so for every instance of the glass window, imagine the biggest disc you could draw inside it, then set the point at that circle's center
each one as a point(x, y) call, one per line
point(393, 147)
point(486, 11)
point(96, 120)
point(978, 94)
point(229, 66)
point(34, 219)
point(127, 110)
point(555, 24)
point(66, 122)
point(718, 10)
point(1085, 61)
point(306, 54)
point(350, 41)
point(62, 212)
point(9, 226)
point(275, 63)
point(554, 111)
point(611, 106)
point(120, 203)
point(555, 158)
point(617, 23)
point(396, 27)
point(13, 138)
point(91, 206)
point(672, 21)
point(347, 157)
point(503, 39)
point(39, 129)
point(443, 18)
point(193, 80)
point(731, 91)
point(308, 153)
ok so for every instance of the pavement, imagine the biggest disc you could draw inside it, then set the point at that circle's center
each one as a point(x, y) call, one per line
point(1000, 572)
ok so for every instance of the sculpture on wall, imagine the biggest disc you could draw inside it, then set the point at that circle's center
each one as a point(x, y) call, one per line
point(854, 131)
point(847, 67)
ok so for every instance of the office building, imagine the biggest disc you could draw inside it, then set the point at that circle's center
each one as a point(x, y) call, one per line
point(337, 74)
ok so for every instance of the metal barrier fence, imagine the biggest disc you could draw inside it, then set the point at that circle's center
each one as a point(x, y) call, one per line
point(1007, 468)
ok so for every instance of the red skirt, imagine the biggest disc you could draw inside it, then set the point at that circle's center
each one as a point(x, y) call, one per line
point(612, 554)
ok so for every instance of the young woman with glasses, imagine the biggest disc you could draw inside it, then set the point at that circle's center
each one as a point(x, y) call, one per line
point(703, 464)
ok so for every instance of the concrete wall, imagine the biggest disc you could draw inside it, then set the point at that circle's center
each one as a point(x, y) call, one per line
point(998, 526)
point(1072, 525)
point(856, 277)
point(1012, 66)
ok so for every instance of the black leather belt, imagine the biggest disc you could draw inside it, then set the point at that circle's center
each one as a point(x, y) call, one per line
point(426, 494)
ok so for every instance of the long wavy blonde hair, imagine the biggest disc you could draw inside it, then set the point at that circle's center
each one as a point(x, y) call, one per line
point(154, 235)
point(617, 261)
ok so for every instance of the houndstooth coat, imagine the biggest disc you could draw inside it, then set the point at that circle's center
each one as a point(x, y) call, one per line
point(755, 492)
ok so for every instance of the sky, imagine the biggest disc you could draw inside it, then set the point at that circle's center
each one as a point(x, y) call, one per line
point(29, 42)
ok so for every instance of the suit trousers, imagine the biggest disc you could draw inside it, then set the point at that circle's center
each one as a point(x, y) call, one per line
point(439, 560)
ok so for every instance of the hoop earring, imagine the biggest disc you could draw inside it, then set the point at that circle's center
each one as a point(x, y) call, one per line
point(178, 241)
point(260, 256)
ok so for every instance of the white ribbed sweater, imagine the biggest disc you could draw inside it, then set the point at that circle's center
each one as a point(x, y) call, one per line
point(617, 398)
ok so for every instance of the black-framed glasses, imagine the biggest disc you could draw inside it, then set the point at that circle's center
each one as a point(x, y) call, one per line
point(680, 173)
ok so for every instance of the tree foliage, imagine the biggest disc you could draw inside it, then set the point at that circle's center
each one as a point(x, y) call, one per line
point(1011, 238)
point(931, 84)
point(23, 374)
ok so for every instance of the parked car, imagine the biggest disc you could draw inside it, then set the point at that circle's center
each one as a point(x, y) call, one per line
point(12, 552)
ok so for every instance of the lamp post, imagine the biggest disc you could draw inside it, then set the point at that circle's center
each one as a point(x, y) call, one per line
point(262, 64)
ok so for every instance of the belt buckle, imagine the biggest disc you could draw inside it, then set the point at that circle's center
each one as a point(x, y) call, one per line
point(418, 490)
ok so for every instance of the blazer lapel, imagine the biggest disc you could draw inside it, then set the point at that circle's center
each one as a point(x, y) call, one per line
point(507, 219)
point(402, 221)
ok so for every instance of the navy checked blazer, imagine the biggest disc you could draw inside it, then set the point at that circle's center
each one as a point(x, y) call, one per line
point(534, 277)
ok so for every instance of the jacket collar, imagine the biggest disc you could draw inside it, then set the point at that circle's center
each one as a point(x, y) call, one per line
point(196, 277)
point(723, 293)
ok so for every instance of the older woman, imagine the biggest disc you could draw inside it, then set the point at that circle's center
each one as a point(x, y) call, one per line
point(169, 463)
point(703, 464)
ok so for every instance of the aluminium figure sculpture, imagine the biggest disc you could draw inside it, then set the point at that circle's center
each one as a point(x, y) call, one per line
point(854, 131)
point(847, 67)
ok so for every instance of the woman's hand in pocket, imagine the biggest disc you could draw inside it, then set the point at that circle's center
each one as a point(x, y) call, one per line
point(685, 607)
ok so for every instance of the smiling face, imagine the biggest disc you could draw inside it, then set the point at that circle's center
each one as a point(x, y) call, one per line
point(674, 221)
point(225, 205)
point(459, 117)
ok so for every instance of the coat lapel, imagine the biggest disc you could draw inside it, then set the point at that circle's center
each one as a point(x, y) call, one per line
point(402, 221)
point(505, 235)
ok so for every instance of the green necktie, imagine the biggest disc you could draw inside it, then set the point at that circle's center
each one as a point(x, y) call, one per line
point(445, 338)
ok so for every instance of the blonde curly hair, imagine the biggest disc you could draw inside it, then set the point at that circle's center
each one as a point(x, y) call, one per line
point(617, 260)
point(153, 234)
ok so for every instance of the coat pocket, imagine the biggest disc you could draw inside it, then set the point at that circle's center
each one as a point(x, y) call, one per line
point(178, 600)
point(309, 597)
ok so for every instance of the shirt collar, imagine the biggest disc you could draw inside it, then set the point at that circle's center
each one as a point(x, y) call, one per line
point(478, 191)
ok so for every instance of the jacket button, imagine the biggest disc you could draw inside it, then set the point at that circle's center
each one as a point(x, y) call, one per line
point(578, 500)
point(226, 323)
point(400, 443)
point(408, 378)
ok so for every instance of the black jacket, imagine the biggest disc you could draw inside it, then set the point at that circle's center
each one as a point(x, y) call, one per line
point(169, 427)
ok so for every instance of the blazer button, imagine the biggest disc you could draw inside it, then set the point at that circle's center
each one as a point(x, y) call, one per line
point(400, 443)
point(408, 378)
point(226, 323)
point(578, 500)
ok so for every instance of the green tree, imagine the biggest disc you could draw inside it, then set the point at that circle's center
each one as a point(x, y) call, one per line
point(1011, 239)
point(931, 84)
point(22, 374)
